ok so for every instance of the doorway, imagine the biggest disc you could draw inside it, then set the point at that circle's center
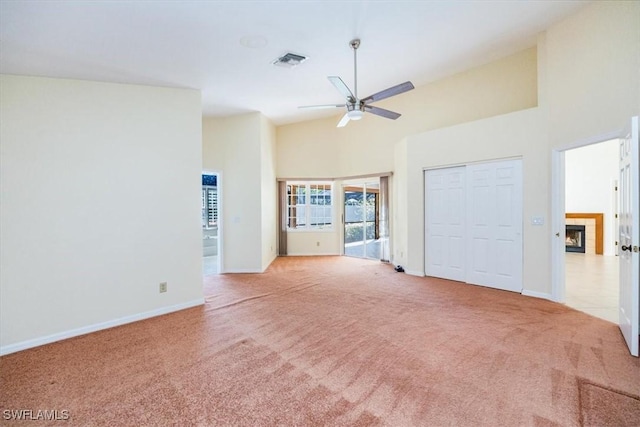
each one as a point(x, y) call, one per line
point(590, 189)
point(211, 236)
point(362, 213)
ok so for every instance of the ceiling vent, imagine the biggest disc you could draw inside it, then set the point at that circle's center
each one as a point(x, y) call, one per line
point(289, 60)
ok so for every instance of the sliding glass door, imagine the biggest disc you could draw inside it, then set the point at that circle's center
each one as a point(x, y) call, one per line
point(362, 220)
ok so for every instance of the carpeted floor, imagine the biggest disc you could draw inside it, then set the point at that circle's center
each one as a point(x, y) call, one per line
point(337, 341)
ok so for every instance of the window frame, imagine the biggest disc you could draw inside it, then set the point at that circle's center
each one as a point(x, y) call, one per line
point(206, 223)
point(308, 206)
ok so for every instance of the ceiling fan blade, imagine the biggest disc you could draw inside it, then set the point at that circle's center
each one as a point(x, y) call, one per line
point(343, 121)
point(341, 86)
point(392, 91)
point(320, 107)
point(382, 112)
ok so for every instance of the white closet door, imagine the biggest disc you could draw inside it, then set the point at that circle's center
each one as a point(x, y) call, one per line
point(444, 228)
point(494, 224)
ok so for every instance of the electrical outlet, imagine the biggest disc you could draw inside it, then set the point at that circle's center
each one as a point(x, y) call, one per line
point(163, 287)
point(317, 243)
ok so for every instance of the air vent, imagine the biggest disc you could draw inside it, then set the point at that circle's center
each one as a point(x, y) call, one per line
point(290, 60)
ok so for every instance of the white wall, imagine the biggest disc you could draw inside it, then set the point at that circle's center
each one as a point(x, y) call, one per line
point(590, 175)
point(100, 203)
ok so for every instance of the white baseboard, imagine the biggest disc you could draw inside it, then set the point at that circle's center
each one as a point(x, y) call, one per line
point(36, 342)
point(537, 295)
point(415, 273)
point(315, 254)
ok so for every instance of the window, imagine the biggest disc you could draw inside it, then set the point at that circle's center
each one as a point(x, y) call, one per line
point(209, 206)
point(309, 206)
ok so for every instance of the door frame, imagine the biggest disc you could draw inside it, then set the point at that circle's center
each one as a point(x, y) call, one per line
point(219, 182)
point(360, 182)
point(425, 170)
point(558, 285)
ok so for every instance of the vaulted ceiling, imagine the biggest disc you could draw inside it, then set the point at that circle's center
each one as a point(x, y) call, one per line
point(226, 49)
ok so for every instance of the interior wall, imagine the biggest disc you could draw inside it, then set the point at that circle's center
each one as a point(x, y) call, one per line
point(592, 66)
point(590, 176)
point(399, 205)
point(100, 203)
point(589, 85)
point(515, 135)
point(233, 145)
point(317, 149)
point(269, 191)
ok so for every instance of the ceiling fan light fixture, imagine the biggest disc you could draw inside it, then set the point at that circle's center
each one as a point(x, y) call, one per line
point(355, 114)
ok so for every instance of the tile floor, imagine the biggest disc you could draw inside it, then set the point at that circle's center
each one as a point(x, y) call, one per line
point(592, 284)
point(209, 265)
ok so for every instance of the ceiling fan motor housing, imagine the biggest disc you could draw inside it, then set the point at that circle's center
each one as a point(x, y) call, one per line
point(355, 111)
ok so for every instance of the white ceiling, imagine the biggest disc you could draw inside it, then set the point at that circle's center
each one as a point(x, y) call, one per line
point(199, 45)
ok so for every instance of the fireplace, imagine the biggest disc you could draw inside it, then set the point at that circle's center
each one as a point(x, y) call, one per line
point(575, 238)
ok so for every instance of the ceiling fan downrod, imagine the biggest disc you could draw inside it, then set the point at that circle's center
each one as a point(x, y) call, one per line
point(355, 44)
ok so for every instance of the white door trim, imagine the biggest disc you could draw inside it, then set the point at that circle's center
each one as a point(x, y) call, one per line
point(219, 182)
point(490, 279)
point(557, 226)
point(558, 209)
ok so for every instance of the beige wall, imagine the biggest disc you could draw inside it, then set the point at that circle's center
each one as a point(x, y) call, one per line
point(515, 135)
point(100, 203)
point(269, 191)
point(242, 149)
point(581, 83)
point(592, 66)
point(367, 146)
point(233, 146)
point(100, 157)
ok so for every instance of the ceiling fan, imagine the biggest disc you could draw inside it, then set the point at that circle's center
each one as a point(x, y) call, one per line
point(356, 107)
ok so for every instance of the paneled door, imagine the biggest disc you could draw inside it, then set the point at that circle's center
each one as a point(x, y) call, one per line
point(473, 224)
point(629, 238)
point(445, 223)
point(494, 224)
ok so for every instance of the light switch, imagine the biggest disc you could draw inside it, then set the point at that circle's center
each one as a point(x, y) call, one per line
point(537, 220)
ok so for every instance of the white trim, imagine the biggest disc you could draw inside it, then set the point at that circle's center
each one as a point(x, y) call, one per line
point(415, 273)
point(473, 162)
point(311, 230)
point(36, 342)
point(315, 254)
point(558, 286)
point(244, 271)
point(535, 294)
point(338, 178)
point(557, 226)
point(219, 183)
